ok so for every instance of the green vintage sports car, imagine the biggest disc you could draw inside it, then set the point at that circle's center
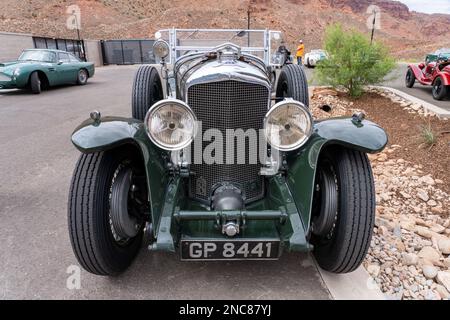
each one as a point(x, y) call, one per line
point(37, 69)
point(183, 172)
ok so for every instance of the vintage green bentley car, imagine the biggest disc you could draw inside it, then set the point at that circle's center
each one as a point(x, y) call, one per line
point(37, 69)
point(222, 162)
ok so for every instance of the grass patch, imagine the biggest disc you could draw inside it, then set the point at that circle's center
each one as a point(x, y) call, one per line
point(428, 135)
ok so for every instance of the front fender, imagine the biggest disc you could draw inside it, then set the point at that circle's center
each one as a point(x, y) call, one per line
point(23, 79)
point(364, 136)
point(113, 132)
point(445, 76)
point(417, 71)
point(109, 133)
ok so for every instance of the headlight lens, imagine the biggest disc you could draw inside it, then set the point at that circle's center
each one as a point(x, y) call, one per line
point(16, 72)
point(288, 125)
point(171, 125)
point(161, 49)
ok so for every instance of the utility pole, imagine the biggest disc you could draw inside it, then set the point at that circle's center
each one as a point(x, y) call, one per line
point(77, 26)
point(248, 25)
point(80, 42)
point(373, 25)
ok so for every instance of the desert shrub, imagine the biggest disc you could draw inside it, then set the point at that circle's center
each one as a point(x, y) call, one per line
point(353, 62)
point(428, 135)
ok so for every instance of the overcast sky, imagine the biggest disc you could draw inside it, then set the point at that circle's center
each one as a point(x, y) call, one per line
point(430, 6)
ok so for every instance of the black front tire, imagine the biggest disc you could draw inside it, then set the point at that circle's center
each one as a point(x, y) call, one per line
point(410, 78)
point(344, 248)
point(292, 83)
point(440, 90)
point(89, 219)
point(35, 83)
point(147, 90)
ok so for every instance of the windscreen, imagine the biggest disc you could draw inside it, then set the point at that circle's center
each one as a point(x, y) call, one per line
point(260, 43)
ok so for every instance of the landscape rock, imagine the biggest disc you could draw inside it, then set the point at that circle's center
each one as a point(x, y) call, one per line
point(409, 245)
point(373, 270)
point(410, 259)
point(423, 195)
point(429, 254)
point(447, 262)
point(437, 228)
point(442, 291)
point(432, 203)
point(430, 272)
point(428, 180)
point(424, 232)
point(443, 278)
point(444, 245)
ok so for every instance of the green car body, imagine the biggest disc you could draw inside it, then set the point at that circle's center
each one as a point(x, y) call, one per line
point(287, 208)
point(59, 69)
point(135, 178)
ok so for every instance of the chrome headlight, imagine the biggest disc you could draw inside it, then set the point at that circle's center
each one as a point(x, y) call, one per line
point(161, 49)
point(288, 125)
point(16, 72)
point(171, 124)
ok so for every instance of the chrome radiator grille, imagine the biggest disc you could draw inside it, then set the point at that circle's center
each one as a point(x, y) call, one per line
point(228, 105)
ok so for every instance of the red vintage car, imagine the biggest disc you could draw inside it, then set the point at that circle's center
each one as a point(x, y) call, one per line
point(435, 72)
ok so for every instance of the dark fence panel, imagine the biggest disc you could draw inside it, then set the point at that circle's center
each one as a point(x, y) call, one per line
point(73, 46)
point(128, 51)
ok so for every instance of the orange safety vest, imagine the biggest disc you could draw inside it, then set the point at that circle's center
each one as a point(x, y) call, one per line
point(300, 50)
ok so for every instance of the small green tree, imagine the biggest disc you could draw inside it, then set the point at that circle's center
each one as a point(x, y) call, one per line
point(353, 62)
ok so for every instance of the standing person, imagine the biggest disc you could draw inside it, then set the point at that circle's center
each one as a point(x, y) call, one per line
point(285, 53)
point(300, 52)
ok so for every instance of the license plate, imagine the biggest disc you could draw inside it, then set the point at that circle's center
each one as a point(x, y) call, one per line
point(230, 250)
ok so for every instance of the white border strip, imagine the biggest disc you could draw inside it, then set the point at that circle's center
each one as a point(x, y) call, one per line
point(440, 112)
point(357, 285)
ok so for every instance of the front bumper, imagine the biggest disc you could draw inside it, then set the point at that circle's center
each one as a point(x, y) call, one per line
point(6, 83)
point(8, 86)
point(284, 224)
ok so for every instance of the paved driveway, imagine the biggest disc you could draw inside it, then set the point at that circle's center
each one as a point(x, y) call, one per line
point(36, 163)
point(396, 80)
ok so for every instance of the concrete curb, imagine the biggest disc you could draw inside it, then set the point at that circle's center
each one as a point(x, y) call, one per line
point(357, 285)
point(440, 112)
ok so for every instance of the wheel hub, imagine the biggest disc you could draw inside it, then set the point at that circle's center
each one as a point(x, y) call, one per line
point(83, 76)
point(327, 200)
point(123, 224)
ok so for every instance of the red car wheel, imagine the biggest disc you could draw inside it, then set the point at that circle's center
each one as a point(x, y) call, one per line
point(440, 90)
point(410, 78)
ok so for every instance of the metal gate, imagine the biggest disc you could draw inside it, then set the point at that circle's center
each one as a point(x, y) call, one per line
point(128, 52)
point(73, 46)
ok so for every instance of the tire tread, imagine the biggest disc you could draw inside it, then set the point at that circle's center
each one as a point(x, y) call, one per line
point(357, 211)
point(143, 96)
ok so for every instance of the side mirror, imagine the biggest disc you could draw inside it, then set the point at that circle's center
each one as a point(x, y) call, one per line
point(60, 62)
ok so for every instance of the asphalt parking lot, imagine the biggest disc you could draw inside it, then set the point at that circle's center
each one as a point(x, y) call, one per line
point(36, 164)
point(396, 80)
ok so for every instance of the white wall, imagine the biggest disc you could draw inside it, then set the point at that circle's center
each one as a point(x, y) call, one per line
point(12, 45)
point(94, 52)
